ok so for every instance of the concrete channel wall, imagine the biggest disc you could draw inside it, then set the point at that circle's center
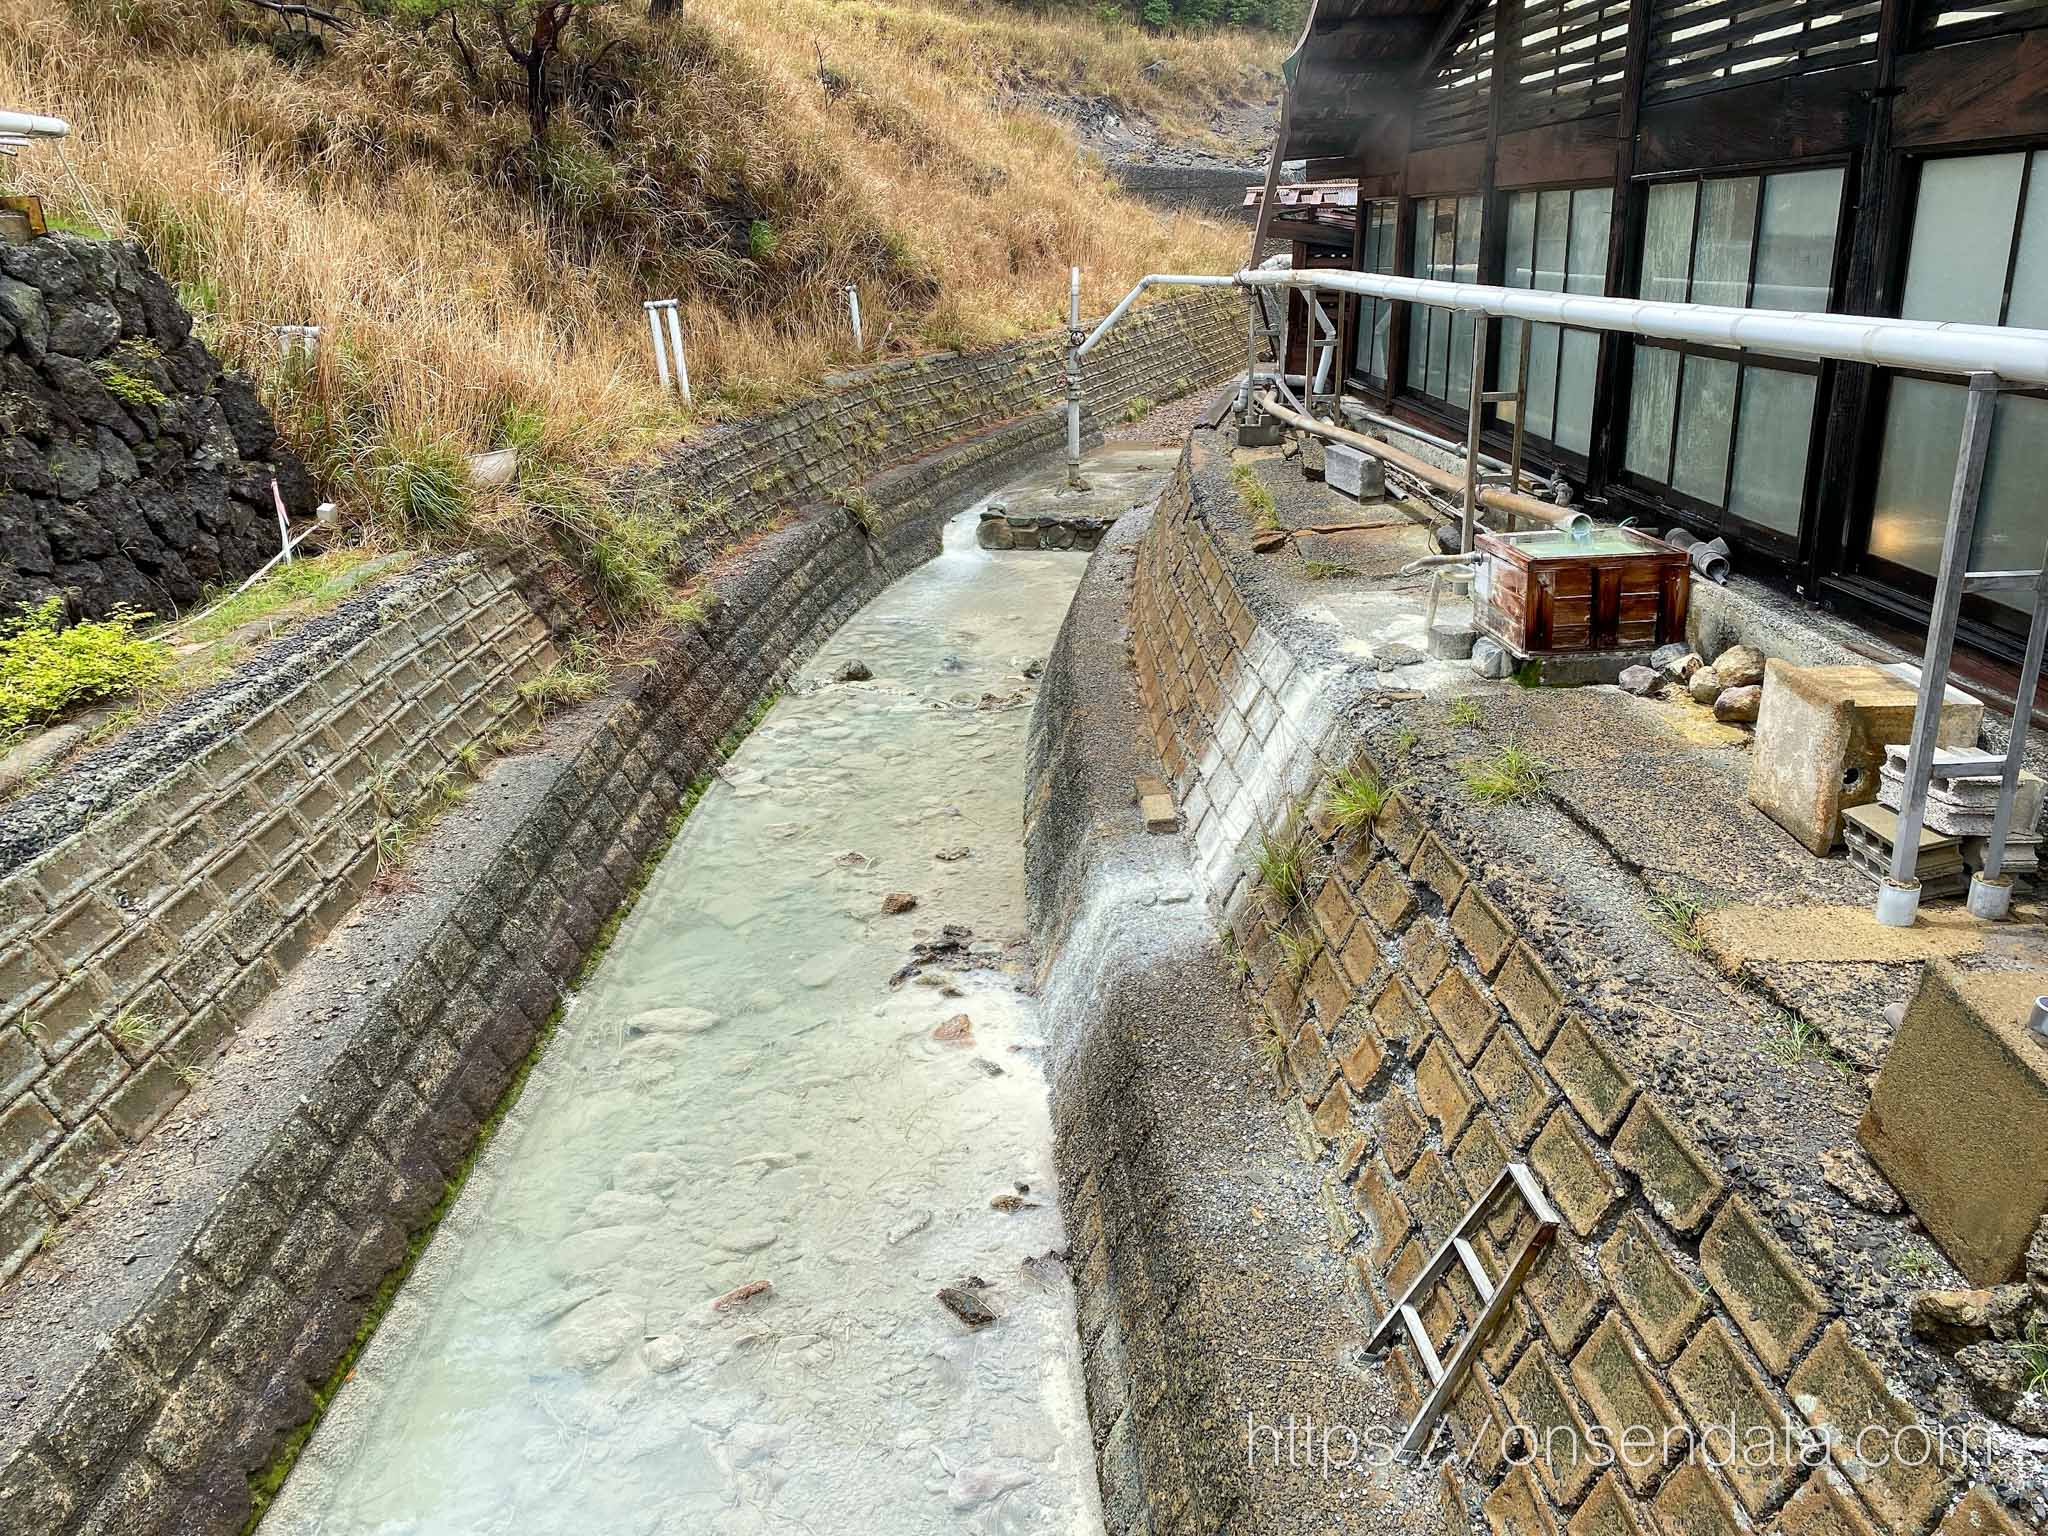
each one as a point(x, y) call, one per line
point(153, 897)
point(162, 1352)
point(1433, 1016)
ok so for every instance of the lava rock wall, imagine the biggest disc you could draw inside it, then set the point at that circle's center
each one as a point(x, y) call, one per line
point(133, 468)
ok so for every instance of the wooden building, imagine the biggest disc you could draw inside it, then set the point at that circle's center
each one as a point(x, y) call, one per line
point(1883, 157)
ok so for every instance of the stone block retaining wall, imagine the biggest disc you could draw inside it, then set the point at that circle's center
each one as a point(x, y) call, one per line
point(737, 477)
point(206, 862)
point(151, 898)
point(1429, 1035)
point(196, 1304)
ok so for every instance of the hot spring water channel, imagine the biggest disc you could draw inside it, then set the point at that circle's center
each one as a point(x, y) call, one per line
point(737, 1095)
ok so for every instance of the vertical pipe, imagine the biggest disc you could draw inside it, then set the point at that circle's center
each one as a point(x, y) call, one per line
point(1074, 339)
point(675, 341)
point(1898, 899)
point(660, 352)
point(1475, 406)
point(853, 309)
point(2022, 717)
point(1521, 405)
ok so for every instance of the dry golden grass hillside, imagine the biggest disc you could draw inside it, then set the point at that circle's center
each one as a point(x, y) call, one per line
point(478, 284)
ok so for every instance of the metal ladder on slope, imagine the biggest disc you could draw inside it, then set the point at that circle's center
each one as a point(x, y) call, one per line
point(1444, 1376)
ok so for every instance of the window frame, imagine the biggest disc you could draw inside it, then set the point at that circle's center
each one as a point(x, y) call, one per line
point(1362, 308)
point(1546, 448)
point(1404, 392)
point(1662, 496)
point(1871, 577)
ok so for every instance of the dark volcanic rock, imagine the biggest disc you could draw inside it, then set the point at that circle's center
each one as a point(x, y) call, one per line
point(133, 470)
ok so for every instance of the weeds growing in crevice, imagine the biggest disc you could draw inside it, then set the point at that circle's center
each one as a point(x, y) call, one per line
point(1258, 501)
point(1297, 950)
point(1678, 916)
point(1282, 871)
point(1327, 570)
point(1356, 795)
point(1512, 775)
point(1465, 710)
point(1794, 1039)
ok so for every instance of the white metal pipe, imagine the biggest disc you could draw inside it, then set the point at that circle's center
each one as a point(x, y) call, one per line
point(675, 342)
point(853, 310)
point(660, 349)
point(1074, 350)
point(2017, 356)
point(1159, 279)
point(35, 125)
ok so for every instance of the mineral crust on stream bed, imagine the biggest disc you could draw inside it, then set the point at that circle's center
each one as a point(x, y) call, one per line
point(740, 1105)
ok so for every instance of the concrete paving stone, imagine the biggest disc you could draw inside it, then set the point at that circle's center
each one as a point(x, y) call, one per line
point(1663, 1301)
point(1479, 925)
point(1517, 1090)
point(1446, 1093)
point(1608, 1511)
point(54, 880)
point(1739, 1414)
point(1556, 1432)
point(1590, 1075)
point(1679, 1181)
point(1644, 1427)
point(1765, 1290)
point(1839, 1390)
point(1331, 993)
point(254, 1334)
point(1531, 997)
point(66, 1176)
point(1695, 1502)
point(1517, 1507)
point(26, 978)
point(1333, 912)
point(20, 1063)
point(1575, 1176)
point(1465, 1012)
point(130, 964)
point(1332, 1114)
point(1437, 868)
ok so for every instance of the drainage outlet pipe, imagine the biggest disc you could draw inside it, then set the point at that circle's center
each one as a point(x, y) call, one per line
point(1709, 556)
point(1570, 519)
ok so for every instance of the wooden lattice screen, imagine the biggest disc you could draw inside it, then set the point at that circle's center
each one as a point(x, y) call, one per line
point(1707, 45)
point(1948, 21)
point(1568, 62)
point(1453, 105)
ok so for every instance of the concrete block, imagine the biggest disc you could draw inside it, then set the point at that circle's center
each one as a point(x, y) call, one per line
point(1824, 1507)
point(1608, 1511)
point(1771, 1300)
point(1466, 1013)
point(1550, 1419)
point(1445, 1091)
point(1482, 929)
point(1622, 1389)
point(1353, 472)
point(1695, 1502)
point(1661, 1299)
point(1517, 1507)
point(1840, 1391)
point(1531, 997)
point(1517, 1090)
point(1480, 1156)
point(1724, 1392)
point(1590, 1075)
point(1955, 1119)
point(1681, 1184)
point(1575, 1176)
point(1820, 739)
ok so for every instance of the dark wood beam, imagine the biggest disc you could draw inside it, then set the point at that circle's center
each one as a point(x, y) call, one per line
point(1845, 482)
point(1460, 15)
point(1609, 428)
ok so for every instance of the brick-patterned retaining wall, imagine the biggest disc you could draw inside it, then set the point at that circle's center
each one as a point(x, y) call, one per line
point(153, 897)
point(132, 949)
point(1430, 1032)
point(737, 477)
point(195, 1304)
